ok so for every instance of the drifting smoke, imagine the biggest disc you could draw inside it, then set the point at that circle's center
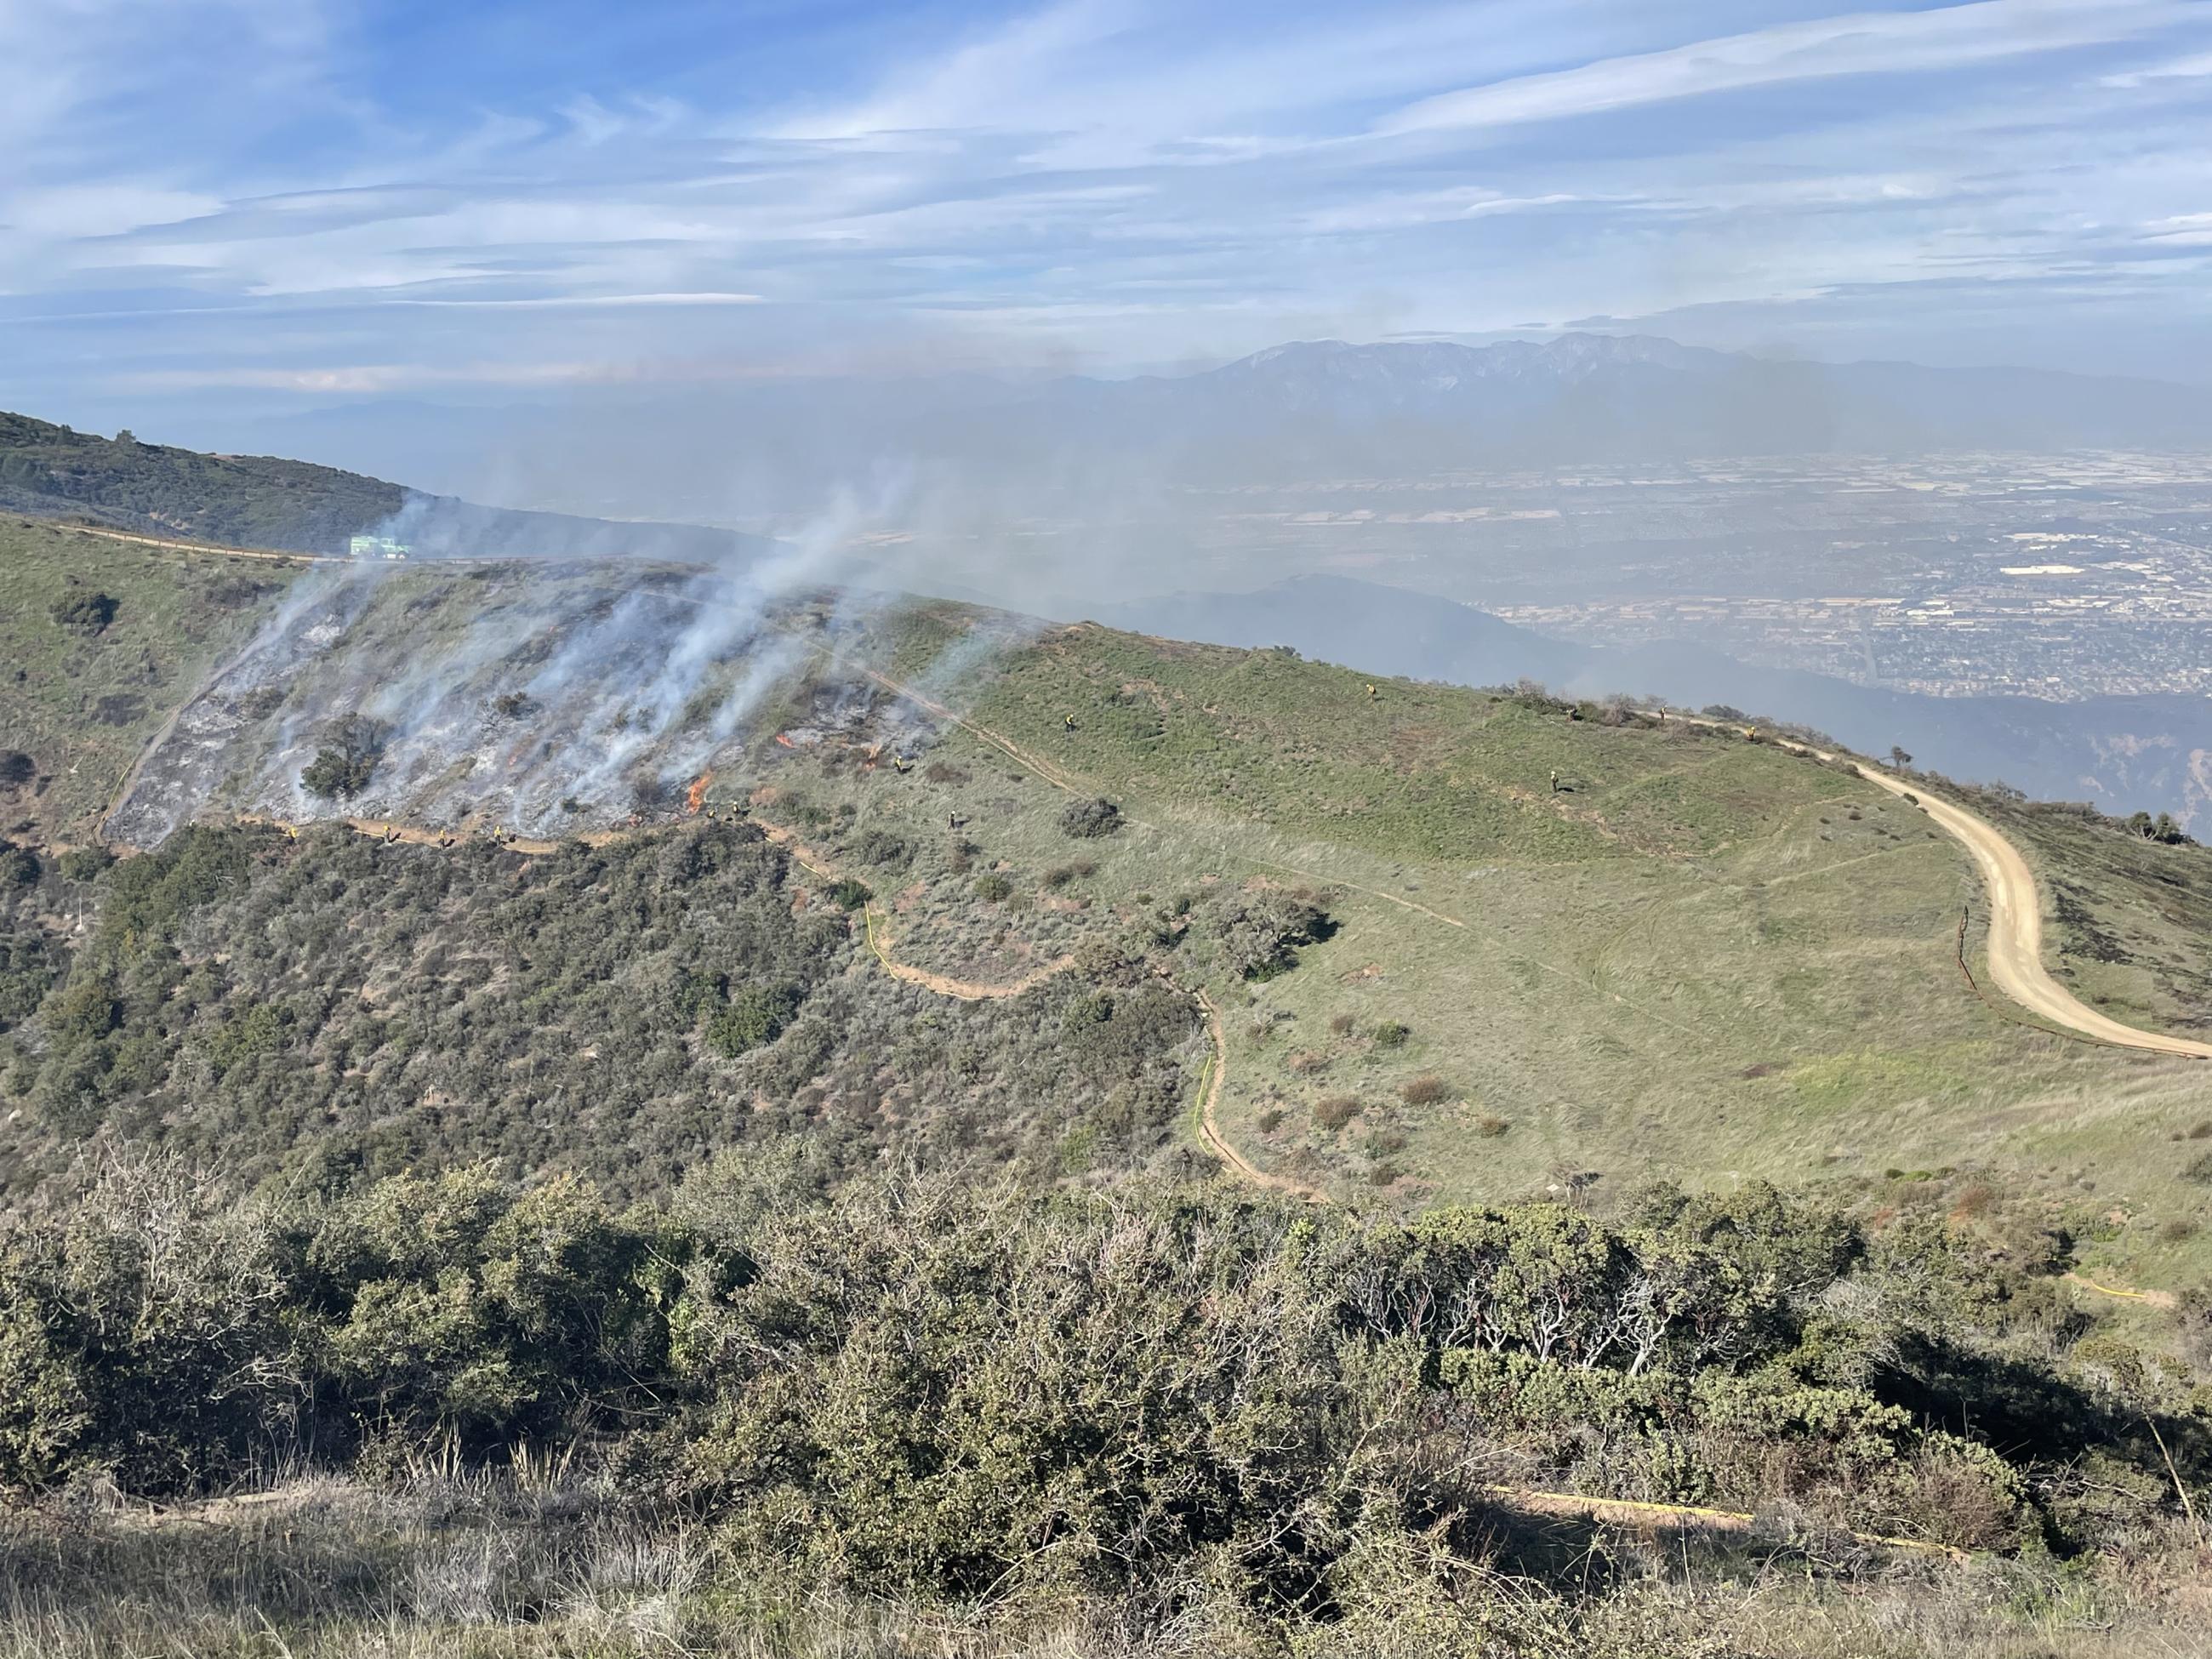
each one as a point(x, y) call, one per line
point(560, 694)
point(541, 697)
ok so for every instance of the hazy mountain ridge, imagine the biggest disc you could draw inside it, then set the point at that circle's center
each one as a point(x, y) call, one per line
point(1400, 405)
point(1297, 410)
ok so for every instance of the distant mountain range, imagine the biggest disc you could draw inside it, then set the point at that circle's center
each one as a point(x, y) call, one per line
point(1314, 409)
point(2153, 753)
point(1400, 407)
point(260, 500)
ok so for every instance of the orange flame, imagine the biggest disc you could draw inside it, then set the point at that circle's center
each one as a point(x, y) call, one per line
point(784, 738)
point(698, 793)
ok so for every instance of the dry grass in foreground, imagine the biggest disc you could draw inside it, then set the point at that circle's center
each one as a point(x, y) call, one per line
point(492, 1566)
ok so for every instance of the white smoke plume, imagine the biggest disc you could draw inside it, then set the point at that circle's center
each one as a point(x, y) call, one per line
point(539, 697)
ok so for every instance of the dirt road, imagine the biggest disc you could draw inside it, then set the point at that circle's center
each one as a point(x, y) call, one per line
point(277, 555)
point(1209, 1124)
point(2015, 940)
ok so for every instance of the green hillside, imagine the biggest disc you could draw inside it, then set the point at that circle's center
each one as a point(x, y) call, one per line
point(247, 501)
point(1440, 976)
point(1692, 916)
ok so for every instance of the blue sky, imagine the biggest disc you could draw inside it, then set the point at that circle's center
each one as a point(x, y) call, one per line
point(264, 204)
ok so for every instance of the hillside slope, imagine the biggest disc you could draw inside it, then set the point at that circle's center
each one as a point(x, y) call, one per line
point(81, 695)
point(1462, 943)
point(248, 501)
point(263, 502)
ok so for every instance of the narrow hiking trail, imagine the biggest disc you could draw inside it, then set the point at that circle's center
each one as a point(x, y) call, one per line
point(1209, 1122)
point(1644, 1514)
point(966, 990)
point(876, 924)
point(2149, 1299)
point(390, 831)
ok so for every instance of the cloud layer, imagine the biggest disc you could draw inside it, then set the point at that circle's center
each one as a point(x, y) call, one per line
point(250, 199)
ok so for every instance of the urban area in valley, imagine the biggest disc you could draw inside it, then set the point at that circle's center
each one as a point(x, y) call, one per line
point(2060, 577)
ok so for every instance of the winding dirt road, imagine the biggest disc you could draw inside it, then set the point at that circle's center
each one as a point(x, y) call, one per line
point(2015, 940)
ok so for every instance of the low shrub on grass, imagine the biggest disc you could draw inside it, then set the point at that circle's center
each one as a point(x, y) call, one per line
point(1087, 820)
point(1334, 1111)
point(86, 614)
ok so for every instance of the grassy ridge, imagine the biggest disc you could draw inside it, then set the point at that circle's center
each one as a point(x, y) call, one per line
point(251, 500)
point(1418, 771)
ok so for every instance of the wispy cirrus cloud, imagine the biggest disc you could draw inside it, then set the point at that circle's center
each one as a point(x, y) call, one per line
point(1879, 43)
point(2180, 69)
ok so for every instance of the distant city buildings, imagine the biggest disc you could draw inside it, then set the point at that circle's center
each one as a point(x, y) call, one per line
point(2061, 577)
